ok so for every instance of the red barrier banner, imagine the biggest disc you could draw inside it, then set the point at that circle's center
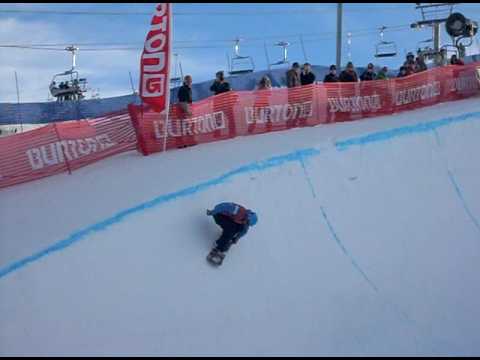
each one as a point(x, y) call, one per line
point(239, 113)
point(61, 147)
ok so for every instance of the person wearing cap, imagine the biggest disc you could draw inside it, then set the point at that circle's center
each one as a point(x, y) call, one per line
point(349, 74)
point(220, 85)
point(409, 59)
point(293, 76)
point(368, 74)
point(420, 64)
point(332, 75)
point(307, 76)
point(235, 220)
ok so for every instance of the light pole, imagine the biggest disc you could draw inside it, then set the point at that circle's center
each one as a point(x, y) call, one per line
point(339, 35)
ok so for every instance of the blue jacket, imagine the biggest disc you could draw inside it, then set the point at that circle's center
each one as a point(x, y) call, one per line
point(237, 213)
point(229, 209)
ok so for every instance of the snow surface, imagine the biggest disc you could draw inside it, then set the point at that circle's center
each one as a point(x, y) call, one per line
point(368, 243)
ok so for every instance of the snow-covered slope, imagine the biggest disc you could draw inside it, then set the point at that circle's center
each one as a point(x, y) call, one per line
point(368, 242)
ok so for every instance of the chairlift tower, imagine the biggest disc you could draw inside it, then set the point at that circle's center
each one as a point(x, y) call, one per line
point(433, 15)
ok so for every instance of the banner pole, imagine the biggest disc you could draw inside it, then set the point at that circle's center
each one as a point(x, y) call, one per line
point(166, 129)
point(167, 100)
point(19, 116)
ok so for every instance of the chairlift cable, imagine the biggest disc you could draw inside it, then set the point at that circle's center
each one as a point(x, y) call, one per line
point(187, 13)
point(355, 33)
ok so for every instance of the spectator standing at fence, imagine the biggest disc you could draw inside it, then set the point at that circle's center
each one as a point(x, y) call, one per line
point(349, 74)
point(410, 68)
point(383, 74)
point(368, 74)
point(264, 83)
point(307, 76)
point(402, 72)
point(185, 95)
point(454, 60)
point(441, 58)
point(220, 85)
point(332, 75)
point(461, 51)
point(293, 76)
point(409, 58)
point(262, 100)
point(420, 64)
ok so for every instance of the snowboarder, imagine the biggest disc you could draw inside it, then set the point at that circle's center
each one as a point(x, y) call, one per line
point(234, 220)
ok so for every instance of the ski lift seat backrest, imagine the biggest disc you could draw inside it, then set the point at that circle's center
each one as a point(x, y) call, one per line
point(241, 65)
point(385, 49)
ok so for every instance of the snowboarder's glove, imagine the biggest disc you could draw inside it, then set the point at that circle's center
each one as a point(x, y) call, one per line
point(209, 212)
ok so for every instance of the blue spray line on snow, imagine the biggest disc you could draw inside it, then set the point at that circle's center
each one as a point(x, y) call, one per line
point(458, 191)
point(332, 230)
point(462, 200)
point(388, 302)
point(405, 130)
point(345, 251)
point(256, 166)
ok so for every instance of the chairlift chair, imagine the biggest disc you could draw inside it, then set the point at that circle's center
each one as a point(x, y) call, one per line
point(73, 87)
point(384, 48)
point(284, 61)
point(239, 64)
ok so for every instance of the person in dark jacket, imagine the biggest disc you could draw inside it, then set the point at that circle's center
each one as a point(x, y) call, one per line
point(349, 74)
point(410, 68)
point(332, 75)
point(454, 60)
point(235, 220)
point(185, 95)
point(368, 74)
point(307, 77)
point(420, 64)
point(293, 76)
point(402, 72)
point(220, 85)
point(409, 58)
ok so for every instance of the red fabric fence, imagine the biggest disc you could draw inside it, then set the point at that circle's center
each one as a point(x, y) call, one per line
point(240, 113)
point(61, 147)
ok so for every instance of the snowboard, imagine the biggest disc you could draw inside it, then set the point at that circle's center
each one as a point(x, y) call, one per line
point(215, 258)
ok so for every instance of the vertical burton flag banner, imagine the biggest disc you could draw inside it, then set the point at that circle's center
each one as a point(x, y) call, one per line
point(155, 63)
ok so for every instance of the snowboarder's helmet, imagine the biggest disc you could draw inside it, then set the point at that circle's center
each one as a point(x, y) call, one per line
point(252, 218)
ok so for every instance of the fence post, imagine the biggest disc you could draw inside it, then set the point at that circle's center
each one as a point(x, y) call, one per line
point(63, 151)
